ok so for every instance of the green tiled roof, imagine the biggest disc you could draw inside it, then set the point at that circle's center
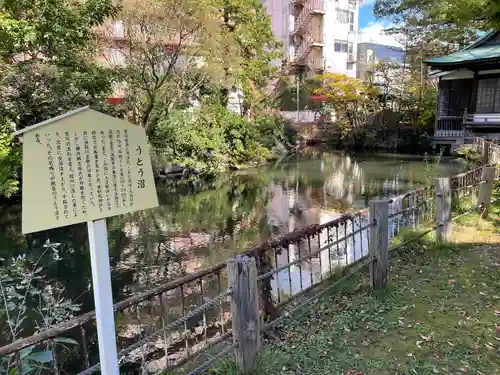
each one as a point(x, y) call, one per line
point(467, 55)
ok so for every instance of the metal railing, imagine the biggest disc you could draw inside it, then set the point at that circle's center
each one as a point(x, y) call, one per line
point(451, 126)
point(180, 321)
point(305, 47)
point(310, 8)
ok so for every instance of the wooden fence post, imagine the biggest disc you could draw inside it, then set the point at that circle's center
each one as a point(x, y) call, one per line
point(443, 209)
point(486, 190)
point(379, 243)
point(486, 152)
point(242, 275)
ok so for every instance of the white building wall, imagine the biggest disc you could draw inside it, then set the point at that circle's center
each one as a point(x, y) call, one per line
point(283, 23)
point(334, 30)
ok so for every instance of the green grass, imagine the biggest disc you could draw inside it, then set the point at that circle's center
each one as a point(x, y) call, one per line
point(439, 315)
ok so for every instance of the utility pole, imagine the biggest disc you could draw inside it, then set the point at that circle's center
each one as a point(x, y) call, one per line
point(297, 83)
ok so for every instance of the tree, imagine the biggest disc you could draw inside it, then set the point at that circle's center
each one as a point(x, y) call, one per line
point(438, 27)
point(47, 67)
point(249, 26)
point(48, 50)
point(350, 98)
point(170, 50)
point(9, 162)
point(213, 46)
point(386, 77)
point(405, 90)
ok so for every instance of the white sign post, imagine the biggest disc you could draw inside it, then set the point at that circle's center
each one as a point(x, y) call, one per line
point(85, 166)
point(103, 296)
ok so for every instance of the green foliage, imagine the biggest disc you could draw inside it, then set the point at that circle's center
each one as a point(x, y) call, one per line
point(213, 138)
point(470, 155)
point(350, 98)
point(48, 58)
point(432, 27)
point(27, 299)
point(47, 67)
point(432, 167)
point(9, 162)
point(287, 101)
point(251, 48)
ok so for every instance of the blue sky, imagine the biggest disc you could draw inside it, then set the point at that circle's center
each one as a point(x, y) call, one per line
point(366, 15)
point(371, 29)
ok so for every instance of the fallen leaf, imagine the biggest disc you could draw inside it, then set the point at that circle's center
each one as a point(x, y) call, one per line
point(426, 338)
point(497, 312)
point(452, 281)
point(419, 343)
point(476, 348)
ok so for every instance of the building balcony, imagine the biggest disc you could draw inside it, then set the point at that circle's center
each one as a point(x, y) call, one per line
point(311, 8)
point(316, 64)
point(467, 124)
point(308, 43)
point(449, 126)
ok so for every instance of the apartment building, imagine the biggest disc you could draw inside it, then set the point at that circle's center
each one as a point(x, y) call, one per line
point(317, 35)
point(370, 54)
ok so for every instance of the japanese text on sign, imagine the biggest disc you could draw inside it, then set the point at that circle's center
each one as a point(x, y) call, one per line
point(89, 174)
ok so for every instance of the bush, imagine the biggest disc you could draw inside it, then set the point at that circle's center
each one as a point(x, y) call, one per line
point(213, 138)
point(10, 163)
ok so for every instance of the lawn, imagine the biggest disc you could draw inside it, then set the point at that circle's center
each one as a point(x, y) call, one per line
point(439, 315)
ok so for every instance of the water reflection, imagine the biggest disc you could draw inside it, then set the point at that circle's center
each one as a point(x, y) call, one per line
point(202, 222)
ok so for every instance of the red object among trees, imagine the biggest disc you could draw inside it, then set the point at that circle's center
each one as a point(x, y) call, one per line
point(318, 98)
point(115, 100)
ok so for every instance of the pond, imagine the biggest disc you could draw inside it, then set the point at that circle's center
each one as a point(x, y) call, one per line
point(199, 223)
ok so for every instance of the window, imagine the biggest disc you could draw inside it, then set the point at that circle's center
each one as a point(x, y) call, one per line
point(340, 45)
point(454, 96)
point(350, 66)
point(350, 48)
point(370, 56)
point(351, 28)
point(488, 95)
point(352, 4)
point(342, 15)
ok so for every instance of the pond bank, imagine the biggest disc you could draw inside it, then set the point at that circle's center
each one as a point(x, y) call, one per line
point(440, 315)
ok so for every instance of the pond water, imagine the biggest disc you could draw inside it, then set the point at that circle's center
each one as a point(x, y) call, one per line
point(200, 223)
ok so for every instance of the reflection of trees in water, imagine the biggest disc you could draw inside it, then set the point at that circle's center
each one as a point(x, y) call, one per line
point(209, 221)
point(196, 224)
